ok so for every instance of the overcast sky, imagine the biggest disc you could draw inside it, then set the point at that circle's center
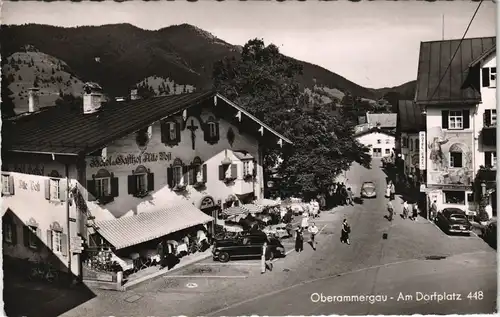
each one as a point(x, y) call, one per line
point(374, 44)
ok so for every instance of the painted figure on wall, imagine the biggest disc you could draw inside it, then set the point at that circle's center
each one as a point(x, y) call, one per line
point(437, 155)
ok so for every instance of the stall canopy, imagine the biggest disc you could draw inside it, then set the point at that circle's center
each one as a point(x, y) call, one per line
point(252, 208)
point(232, 211)
point(128, 231)
point(264, 202)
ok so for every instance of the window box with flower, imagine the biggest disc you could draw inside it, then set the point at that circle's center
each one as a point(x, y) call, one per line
point(248, 177)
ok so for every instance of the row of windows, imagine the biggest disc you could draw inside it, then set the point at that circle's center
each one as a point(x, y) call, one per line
point(413, 145)
point(54, 187)
point(387, 141)
point(377, 152)
point(104, 186)
point(171, 131)
point(32, 238)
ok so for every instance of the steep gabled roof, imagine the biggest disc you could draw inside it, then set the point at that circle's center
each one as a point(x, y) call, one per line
point(483, 56)
point(65, 131)
point(375, 130)
point(433, 61)
point(410, 117)
point(385, 120)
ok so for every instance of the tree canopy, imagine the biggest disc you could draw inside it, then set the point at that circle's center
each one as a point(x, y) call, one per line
point(265, 83)
point(7, 101)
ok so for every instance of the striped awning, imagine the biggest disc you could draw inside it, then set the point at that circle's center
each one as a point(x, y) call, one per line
point(252, 208)
point(264, 202)
point(231, 211)
point(127, 231)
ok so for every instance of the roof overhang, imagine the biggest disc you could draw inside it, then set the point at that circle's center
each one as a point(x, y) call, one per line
point(483, 56)
point(447, 102)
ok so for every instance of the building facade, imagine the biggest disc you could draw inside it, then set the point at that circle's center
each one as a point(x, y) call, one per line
point(451, 99)
point(381, 143)
point(102, 170)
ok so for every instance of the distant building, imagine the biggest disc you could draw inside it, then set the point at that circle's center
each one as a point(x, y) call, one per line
point(381, 142)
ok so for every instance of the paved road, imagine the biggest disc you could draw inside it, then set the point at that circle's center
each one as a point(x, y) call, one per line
point(383, 258)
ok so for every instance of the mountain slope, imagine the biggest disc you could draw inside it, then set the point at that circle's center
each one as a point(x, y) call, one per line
point(121, 55)
point(406, 91)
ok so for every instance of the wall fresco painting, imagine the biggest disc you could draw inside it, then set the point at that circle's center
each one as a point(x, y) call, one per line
point(449, 157)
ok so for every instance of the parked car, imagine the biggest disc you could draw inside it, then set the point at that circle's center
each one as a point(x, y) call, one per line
point(490, 233)
point(454, 220)
point(279, 230)
point(387, 160)
point(246, 246)
point(368, 190)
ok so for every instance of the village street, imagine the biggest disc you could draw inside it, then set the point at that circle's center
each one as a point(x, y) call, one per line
point(384, 258)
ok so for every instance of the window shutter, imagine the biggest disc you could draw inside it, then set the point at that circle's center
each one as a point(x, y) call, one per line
point(62, 189)
point(177, 132)
point(151, 181)
point(191, 175)
point(486, 77)
point(217, 136)
point(64, 244)
point(14, 232)
point(170, 177)
point(254, 168)
point(163, 131)
point(466, 114)
point(444, 119)
point(487, 159)
point(38, 238)
point(11, 184)
point(204, 172)
point(185, 175)
point(205, 132)
point(47, 189)
point(487, 118)
point(26, 234)
point(131, 185)
point(114, 187)
point(234, 171)
point(91, 190)
point(49, 240)
point(221, 172)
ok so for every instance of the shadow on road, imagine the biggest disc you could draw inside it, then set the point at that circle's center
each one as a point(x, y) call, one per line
point(358, 200)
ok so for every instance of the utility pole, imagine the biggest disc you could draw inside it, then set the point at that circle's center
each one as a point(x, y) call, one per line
point(442, 29)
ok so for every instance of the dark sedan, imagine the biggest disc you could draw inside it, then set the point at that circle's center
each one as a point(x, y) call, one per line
point(368, 190)
point(454, 220)
point(246, 246)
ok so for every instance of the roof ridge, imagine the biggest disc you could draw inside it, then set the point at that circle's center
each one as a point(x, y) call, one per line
point(467, 38)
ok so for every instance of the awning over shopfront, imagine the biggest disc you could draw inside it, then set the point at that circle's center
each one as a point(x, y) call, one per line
point(128, 231)
point(232, 211)
point(251, 208)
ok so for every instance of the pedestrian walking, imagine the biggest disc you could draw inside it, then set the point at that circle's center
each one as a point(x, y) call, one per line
point(350, 197)
point(266, 263)
point(390, 209)
point(299, 240)
point(313, 230)
point(433, 210)
point(393, 190)
point(415, 212)
point(388, 191)
point(305, 221)
point(346, 230)
point(405, 209)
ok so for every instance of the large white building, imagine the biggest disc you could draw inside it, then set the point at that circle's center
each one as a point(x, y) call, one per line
point(455, 104)
point(125, 173)
point(380, 142)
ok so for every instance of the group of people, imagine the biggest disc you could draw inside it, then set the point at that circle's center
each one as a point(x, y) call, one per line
point(340, 195)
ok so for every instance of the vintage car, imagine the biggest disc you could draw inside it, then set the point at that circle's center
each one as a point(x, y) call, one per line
point(453, 220)
point(278, 231)
point(368, 190)
point(246, 246)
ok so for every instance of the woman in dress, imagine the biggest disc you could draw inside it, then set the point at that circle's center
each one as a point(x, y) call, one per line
point(299, 241)
point(346, 230)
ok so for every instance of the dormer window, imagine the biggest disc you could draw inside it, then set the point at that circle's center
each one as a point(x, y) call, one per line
point(489, 77)
point(170, 132)
point(211, 131)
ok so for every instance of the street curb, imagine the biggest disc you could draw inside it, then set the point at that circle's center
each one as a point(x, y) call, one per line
point(140, 280)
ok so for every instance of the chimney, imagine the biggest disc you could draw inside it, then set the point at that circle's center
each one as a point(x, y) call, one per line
point(133, 94)
point(33, 99)
point(91, 98)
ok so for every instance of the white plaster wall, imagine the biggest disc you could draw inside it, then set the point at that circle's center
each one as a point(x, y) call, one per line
point(29, 202)
point(370, 140)
point(488, 101)
point(126, 205)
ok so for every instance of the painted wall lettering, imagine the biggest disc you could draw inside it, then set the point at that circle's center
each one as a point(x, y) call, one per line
point(130, 159)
